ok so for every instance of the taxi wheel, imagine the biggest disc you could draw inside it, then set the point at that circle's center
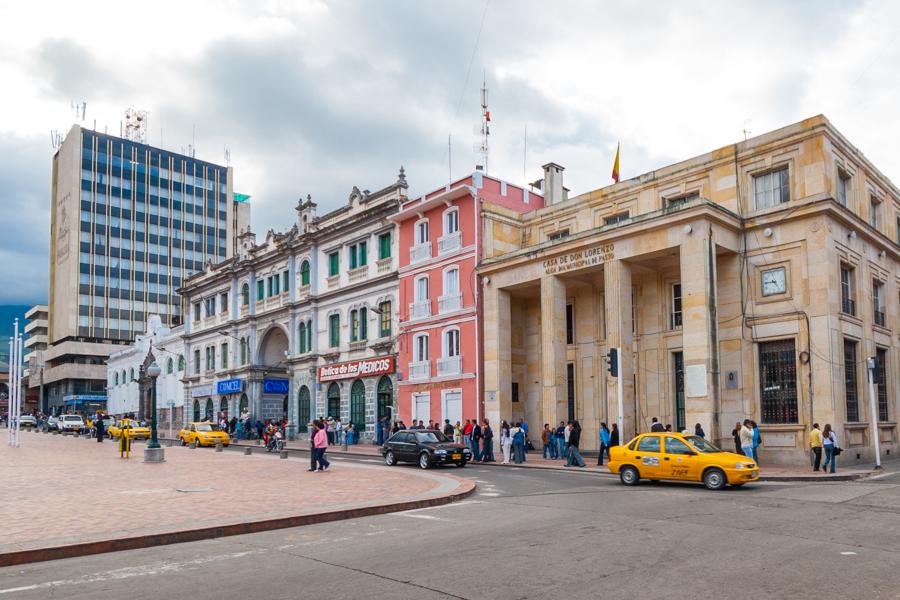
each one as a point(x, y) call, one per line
point(389, 459)
point(714, 479)
point(629, 476)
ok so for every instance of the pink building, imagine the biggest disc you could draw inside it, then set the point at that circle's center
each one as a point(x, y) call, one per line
point(439, 352)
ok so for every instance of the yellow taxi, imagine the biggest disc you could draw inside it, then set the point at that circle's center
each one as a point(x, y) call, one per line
point(137, 432)
point(205, 434)
point(680, 457)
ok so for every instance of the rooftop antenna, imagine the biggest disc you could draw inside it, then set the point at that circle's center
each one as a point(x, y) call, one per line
point(136, 125)
point(449, 159)
point(485, 125)
point(227, 156)
point(744, 129)
point(56, 139)
point(79, 110)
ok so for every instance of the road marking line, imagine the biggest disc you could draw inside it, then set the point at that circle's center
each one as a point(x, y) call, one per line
point(411, 516)
point(489, 494)
point(848, 553)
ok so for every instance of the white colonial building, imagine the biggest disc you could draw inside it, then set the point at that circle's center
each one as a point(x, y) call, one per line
point(302, 324)
point(127, 385)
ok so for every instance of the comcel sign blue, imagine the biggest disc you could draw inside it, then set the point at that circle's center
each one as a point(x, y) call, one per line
point(230, 386)
point(275, 386)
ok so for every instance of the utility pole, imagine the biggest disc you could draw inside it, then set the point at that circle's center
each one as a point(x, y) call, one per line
point(873, 412)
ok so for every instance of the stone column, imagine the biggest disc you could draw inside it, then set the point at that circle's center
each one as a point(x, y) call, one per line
point(553, 352)
point(497, 355)
point(699, 332)
point(617, 297)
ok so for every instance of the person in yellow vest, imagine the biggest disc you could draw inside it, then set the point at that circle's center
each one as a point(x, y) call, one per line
point(815, 444)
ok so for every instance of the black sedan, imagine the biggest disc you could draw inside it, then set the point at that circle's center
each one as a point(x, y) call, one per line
point(425, 448)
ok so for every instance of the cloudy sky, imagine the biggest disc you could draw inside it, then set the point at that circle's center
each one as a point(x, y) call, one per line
point(314, 97)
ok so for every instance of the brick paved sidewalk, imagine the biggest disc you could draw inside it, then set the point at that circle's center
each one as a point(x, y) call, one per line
point(60, 490)
point(534, 461)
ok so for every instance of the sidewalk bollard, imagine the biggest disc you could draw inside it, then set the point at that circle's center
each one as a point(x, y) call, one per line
point(248, 451)
point(282, 454)
point(218, 446)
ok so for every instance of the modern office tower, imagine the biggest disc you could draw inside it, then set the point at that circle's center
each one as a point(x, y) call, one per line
point(128, 223)
point(35, 346)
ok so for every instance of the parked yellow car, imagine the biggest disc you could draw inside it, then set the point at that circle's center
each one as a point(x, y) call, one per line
point(681, 458)
point(137, 431)
point(205, 434)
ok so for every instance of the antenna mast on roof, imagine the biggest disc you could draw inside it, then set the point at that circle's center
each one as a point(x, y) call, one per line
point(485, 125)
point(136, 125)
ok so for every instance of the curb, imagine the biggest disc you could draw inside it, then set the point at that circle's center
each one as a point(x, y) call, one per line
point(464, 489)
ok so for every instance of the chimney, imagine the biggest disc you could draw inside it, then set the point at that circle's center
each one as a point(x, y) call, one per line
point(553, 189)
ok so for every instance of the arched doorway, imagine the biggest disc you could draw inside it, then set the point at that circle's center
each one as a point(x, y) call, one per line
point(334, 400)
point(209, 410)
point(244, 404)
point(273, 347)
point(196, 410)
point(358, 406)
point(385, 398)
point(303, 410)
point(223, 406)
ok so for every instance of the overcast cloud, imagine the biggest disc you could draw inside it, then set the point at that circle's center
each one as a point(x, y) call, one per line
point(315, 97)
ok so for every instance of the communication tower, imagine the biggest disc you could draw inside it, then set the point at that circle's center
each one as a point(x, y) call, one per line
point(483, 147)
point(136, 125)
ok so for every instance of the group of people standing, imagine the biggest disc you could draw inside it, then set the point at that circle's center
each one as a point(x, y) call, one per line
point(747, 439)
point(823, 440)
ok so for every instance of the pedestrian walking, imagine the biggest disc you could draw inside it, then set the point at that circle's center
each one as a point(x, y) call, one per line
point(746, 435)
point(614, 436)
point(604, 443)
point(98, 425)
point(547, 441)
point(518, 440)
point(313, 430)
point(487, 442)
point(575, 457)
point(505, 441)
point(656, 426)
point(321, 443)
point(815, 446)
point(698, 431)
point(736, 436)
point(832, 448)
point(757, 440)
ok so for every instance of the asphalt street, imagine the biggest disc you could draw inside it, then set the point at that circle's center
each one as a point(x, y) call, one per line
point(532, 534)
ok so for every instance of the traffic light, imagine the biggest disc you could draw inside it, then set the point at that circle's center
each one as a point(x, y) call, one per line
point(612, 362)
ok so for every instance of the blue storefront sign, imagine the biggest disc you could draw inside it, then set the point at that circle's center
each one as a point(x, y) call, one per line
point(230, 386)
point(275, 386)
point(82, 399)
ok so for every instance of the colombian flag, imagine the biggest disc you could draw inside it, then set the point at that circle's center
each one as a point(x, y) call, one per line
point(615, 173)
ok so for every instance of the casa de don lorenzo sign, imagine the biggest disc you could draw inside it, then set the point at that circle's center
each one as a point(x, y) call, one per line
point(369, 367)
point(579, 259)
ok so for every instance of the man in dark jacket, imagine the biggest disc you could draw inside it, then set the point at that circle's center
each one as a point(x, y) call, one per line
point(487, 436)
point(98, 424)
point(656, 426)
point(574, 455)
point(448, 428)
point(476, 442)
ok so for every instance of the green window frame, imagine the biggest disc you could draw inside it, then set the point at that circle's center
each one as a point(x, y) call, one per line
point(245, 294)
point(354, 325)
point(384, 320)
point(302, 333)
point(384, 246)
point(334, 264)
point(284, 281)
point(260, 290)
point(304, 273)
point(309, 334)
point(224, 352)
point(363, 323)
point(334, 330)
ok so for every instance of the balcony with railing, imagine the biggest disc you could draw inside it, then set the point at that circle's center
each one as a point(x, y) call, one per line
point(848, 306)
point(303, 291)
point(334, 281)
point(358, 274)
point(450, 302)
point(384, 265)
point(420, 252)
point(449, 365)
point(420, 309)
point(449, 242)
point(420, 370)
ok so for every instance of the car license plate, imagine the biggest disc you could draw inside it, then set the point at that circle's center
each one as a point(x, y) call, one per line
point(752, 473)
point(456, 456)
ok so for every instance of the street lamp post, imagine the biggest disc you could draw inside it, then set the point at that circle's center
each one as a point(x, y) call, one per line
point(153, 452)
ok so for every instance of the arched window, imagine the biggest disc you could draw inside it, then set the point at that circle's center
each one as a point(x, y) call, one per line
point(358, 406)
point(245, 294)
point(117, 378)
point(196, 410)
point(451, 281)
point(385, 397)
point(363, 323)
point(354, 325)
point(421, 289)
point(209, 409)
point(450, 345)
point(124, 377)
point(421, 232)
point(180, 363)
point(302, 336)
point(304, 273)
point(451, 221)
point(420, 348)
point(303, 410)
point(223, 406)
point(244, 403)
point(170, 366)
point(334, 400)
point(132, 375)
point(309, 335)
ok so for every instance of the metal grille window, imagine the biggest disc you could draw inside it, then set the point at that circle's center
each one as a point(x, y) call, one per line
point(678, 368)
point(778, 381)
point(881, 383)
point(848, 305)
point(771, 189)
point(570, 324)
point(675, 316)
point(570, 389)
point(850, 381)
point(615, 219)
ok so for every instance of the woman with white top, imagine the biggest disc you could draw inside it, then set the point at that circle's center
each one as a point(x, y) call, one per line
point(830, 444)
point(505, 441)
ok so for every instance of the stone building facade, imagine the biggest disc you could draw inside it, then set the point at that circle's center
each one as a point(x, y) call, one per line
point(750, 282)
point(302, 324)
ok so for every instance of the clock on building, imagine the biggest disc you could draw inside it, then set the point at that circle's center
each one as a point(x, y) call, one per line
point(773, 282)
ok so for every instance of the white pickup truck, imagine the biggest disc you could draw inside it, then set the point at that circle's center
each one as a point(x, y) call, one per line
point(71, 423)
